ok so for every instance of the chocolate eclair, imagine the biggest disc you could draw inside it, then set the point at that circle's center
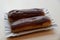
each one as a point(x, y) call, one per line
point(14, 15)
point(30, 23)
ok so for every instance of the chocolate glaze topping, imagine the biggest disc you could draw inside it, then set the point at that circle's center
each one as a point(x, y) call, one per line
point(26, 13)
point(39, 20)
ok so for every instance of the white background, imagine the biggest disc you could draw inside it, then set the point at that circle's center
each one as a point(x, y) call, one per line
point(6, 5)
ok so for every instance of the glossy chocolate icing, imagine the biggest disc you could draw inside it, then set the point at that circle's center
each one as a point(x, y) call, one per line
point(25, 13)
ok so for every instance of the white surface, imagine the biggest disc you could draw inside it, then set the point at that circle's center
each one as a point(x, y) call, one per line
point(52, 5)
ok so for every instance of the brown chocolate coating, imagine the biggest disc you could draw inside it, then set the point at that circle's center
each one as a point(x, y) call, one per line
point(30, 23)
point(25, 13)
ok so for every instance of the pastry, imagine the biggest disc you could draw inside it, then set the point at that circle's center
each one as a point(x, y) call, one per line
point(25, 13)
point(30, 23)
